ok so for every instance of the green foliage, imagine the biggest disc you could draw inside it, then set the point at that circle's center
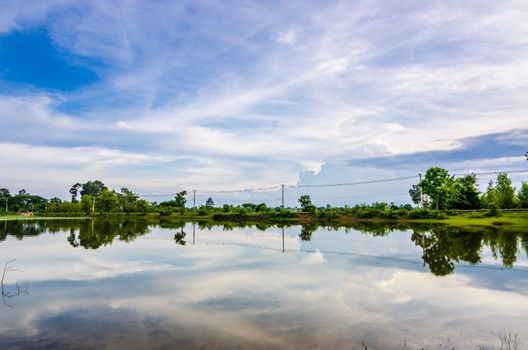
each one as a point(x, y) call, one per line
point(127, 200)
point(86, 204)
point(436, 184)
point(142, 206)
point(25, 202)
point(4, 193)
point(93, 188)
point(522, 195)
point(464, 194)
point(505, 192)
point(306, 204)
point(416, 194)
point(107, 201)
point(489, 199)
point(180, 201)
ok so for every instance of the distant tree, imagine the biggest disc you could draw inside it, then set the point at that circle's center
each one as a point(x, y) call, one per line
point(306, 204)
point(522, 195)
point(86, 204)
point(74, 191)
point(4, 193)
point(416, 194)
point(436, 184)
point(106, 201)
point(5, 196)
point(209, 203)
point(489, 199)
point(54, 205)
point(142, 206)
point(505, 192)
point(127, 200)
point(464, 194)
point(23, 192)
point(180, 201)
point(93, 188)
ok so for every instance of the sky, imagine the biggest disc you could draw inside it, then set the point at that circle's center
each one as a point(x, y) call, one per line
point(162, 96)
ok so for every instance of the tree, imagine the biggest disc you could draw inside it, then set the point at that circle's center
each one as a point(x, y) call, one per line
point(522, 195)
point(180, 200)
point(127, 200)
point(464, 193)
point(54, 205)
point(306, 204)
point(505, 192)
point(74, 191)
point(142, 206)
point(416, 194)
point(209, 203)
point(436, 185)
point(106, 201)
point(86, 204)
point(4, 193)
point(93, 188)
point(490, 197)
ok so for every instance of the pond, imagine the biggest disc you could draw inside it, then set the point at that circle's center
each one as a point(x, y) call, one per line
point(137, 284)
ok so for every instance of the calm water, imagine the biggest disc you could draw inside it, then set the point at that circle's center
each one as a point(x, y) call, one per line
point(133, 284)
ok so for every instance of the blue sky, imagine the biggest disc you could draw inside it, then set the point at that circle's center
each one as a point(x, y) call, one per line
point(163, 96)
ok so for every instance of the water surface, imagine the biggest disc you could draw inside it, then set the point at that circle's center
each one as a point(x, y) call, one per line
point(136, 284)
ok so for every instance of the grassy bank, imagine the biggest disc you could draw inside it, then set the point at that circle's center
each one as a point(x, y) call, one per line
point(517, 219)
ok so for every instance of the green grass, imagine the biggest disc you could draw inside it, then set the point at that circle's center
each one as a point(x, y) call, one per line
point(514, 219)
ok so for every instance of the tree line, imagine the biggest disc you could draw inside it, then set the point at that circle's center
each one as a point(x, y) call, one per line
point(437, 190)
point(440, 190)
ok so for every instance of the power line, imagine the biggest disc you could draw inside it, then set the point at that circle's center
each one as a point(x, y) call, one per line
point(355, 183)
point(277, 187)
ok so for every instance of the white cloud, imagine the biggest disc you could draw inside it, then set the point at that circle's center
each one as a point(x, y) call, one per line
point(287, 37)
point(362, 80)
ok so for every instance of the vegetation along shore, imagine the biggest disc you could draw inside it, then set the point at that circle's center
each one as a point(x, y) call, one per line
point(438, 197)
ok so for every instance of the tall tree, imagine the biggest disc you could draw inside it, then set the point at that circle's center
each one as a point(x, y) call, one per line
point(209, 203)
point(93, 188)
point(522, 195)
point(416, 194)
point(180, 201)
point(74, 191)
point(505, 192)
point(436, 184)
point(4, 193)
point(306, 204)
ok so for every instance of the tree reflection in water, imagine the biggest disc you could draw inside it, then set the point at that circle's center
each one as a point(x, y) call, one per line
point(442, 246)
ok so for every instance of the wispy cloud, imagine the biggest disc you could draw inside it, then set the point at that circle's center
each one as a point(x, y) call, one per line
point(271, 90)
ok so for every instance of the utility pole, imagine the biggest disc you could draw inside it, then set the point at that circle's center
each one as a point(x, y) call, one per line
point(282, 239)
point(282, 191)
point(194, 200)
point(421, 195)
point(93, 205)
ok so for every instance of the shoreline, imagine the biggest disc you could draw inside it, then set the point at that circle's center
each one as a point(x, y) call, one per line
point(513, 219)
